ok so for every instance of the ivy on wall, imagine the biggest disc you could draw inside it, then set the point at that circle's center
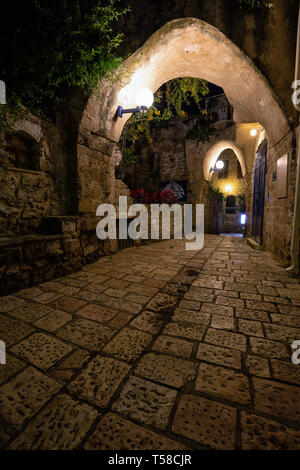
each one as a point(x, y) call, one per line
point(169, 102)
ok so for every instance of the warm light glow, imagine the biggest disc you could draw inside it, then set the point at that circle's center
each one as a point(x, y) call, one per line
point(220, 164)
point(228, 188)
point(144, 97)
point(243, 219)
point(253, 132)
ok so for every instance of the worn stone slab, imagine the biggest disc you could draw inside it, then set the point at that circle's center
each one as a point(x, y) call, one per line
point(190, 304)
point(264, 306)
point(41, 350)
point(148, 321)
point(30, 311)
point(53, 320)
point(185, 330)
point(121, 319)
point(258, 366)
point(226, 339)
point(248, 314)
point(97, 312)
point(12, 366)
point(128, 344)
point(277, 399)
point(217, 309)
point(99, 380)
point(224, 383)
point(73, 363)
point(48, 297)
point(10, 302)
point(12, 331)
point(200, 294)
point(268, 348)
point(258, 433)
point(218, 355)
point(86, 333)
point(166, 369)
point(206, 422)
point(286, 320)
point(222, 322)
point(286, 371)
point(61, 425)
point(115, 433)
point(146, 402)
point(162, 302)
point(229, 301)
point(24, 395)
point(212, 284)
point(172, 345)
point(281, 333)
point(250, 328)
point(68, 304)
point(190, 316)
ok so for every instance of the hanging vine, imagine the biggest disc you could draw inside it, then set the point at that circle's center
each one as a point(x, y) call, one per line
point(168, 103)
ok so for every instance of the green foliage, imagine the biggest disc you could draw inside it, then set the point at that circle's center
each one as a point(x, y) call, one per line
point(168, 103)
point(241, 202)
point(129, 157)
point(201, 131)
point(254, 4)
point(49, 45)
point(214, 193)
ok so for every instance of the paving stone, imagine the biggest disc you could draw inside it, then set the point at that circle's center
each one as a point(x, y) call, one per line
point(213, 284)
point(264, 306)
point(206, 422)
point(12, 366)
point(258, 366)
point(128, 344)
point(218, 355)
point(267, 290)
point(120, 319)
point(246, 296)
point(277, 399)
point(226, 339)
point(86, 333)
point(118, 284)
point(48, 297)
point(29, 293)
point(223, 300)
point(97, 312)
point(150, 322)
point(250, 328)
point(91, 296)
point(190, 316)
point(162, 302)
point(115, 292)
point(68, 304)
point(166, 369)
point(227, 293)
point(41, 350)
point(61, 425)
point(115, 433)
point(70, 365)
point(24, 395)
point(222, 322)
point(122, 304)
point(190, 304)
point(172, 345)
point(146, 402)
point(200, 294)
point(267, 348)
point(281, 333)
point(287, 320)
point(53, 320)
point(12, 331)
point(252, 315)
point(285, 371)
point(224, 383)
point(240, 287)
point(30, 311)
point(217, 309)
point(10, 302)
point(258, 433)
point(99, 380)
point(185, 330)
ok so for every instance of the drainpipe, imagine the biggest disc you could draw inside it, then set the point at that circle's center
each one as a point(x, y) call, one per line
point(294, 268)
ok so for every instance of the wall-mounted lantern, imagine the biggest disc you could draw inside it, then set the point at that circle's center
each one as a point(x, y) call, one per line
point(144, 99)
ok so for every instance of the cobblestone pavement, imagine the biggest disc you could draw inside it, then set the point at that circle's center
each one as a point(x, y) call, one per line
point(155, 348)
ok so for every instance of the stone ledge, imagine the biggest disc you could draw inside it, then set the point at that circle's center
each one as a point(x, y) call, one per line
point(254, 244)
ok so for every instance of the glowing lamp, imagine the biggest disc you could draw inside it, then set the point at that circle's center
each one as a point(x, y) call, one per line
point(253, 132)
point(144, 99)
point(220, 165)
point(243, 219)
point(228, 188)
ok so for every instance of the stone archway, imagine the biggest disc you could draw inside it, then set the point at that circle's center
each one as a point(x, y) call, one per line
point(183, 47)
point(215, 151)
